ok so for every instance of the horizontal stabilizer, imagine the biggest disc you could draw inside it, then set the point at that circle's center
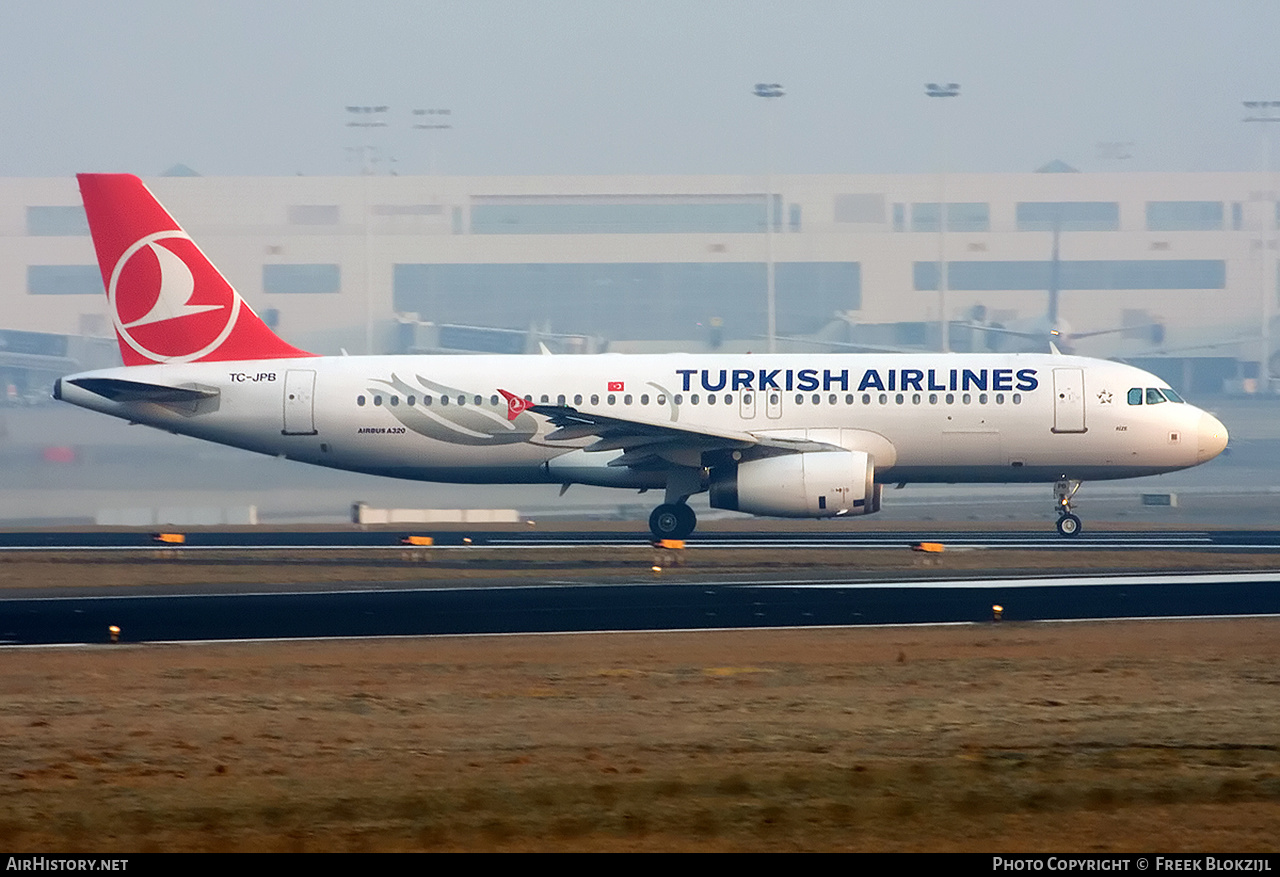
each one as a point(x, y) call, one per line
point(136, 391)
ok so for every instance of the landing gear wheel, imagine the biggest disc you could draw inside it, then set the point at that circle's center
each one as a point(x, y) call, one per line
point(1063, 492)
point(672, 521)
point(1068, 525)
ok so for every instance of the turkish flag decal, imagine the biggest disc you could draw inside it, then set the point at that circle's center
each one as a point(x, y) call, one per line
point(616, 387)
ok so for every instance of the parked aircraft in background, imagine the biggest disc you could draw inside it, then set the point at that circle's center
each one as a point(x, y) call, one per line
point(794, 435)
point(1050, 331)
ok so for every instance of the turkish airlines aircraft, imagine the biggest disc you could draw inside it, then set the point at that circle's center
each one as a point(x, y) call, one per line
point(805, 436)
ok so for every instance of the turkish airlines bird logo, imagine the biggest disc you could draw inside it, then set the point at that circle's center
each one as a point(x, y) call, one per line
point(177, 286)
point(162, 308)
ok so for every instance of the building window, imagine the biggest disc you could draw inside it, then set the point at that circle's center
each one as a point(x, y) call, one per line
point(961, 216)
point(620, 214)
point(57, 221)
point(64, 280)
point(1184, 216)
point(1068, 215)
point(1101, 274)
point(623, 300)
point(301, 279)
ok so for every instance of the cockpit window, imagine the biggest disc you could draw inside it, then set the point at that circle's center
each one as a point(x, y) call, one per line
point(1135, 396)
point(1171, 396)
point(1154, 396)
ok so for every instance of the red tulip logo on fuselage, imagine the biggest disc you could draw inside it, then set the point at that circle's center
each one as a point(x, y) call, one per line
point(162, 308)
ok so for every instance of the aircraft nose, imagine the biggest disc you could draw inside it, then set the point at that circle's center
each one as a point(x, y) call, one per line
point(1211, 438)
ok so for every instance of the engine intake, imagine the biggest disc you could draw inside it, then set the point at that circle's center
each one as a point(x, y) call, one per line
point(817, 484)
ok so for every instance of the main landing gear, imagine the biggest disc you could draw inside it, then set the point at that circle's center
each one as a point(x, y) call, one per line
point(672, 520)
point(1063, 491)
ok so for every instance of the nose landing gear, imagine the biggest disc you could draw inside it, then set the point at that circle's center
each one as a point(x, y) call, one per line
point(1063, 492)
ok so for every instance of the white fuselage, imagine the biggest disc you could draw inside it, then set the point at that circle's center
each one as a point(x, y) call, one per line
point(924, 417)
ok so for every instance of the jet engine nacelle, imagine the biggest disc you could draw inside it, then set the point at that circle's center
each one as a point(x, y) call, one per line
point(816, 484)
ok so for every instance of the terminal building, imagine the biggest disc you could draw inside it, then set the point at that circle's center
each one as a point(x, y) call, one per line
point(1176, 272)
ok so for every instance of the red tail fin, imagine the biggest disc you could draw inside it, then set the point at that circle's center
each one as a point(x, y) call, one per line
point(168, 302)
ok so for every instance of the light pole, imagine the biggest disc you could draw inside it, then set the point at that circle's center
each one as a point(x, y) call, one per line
point(367, 118)
point(436, 119)
point(1266, 113)
point(951, 89)
point(769, 90)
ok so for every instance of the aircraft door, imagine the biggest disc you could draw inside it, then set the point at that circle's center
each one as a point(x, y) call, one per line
point(1068, 400)
point(773, 404)
point(748, 405)
point(299, 402)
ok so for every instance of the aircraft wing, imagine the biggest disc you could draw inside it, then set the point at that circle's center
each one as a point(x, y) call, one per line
point(1001, 330)
point(648, 445)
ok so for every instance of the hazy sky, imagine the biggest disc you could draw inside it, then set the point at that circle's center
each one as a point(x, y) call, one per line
point(552, 87)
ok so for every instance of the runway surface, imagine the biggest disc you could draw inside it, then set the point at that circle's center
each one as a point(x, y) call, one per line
point(627, 606)
point(249, 540)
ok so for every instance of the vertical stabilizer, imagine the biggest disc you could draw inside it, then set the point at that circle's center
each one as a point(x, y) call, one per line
point(168, 302)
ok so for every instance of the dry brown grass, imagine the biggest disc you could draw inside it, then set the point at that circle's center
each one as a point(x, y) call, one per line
point(1107, 736)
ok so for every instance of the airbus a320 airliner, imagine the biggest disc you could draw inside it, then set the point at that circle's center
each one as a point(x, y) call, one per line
point(796, 435)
